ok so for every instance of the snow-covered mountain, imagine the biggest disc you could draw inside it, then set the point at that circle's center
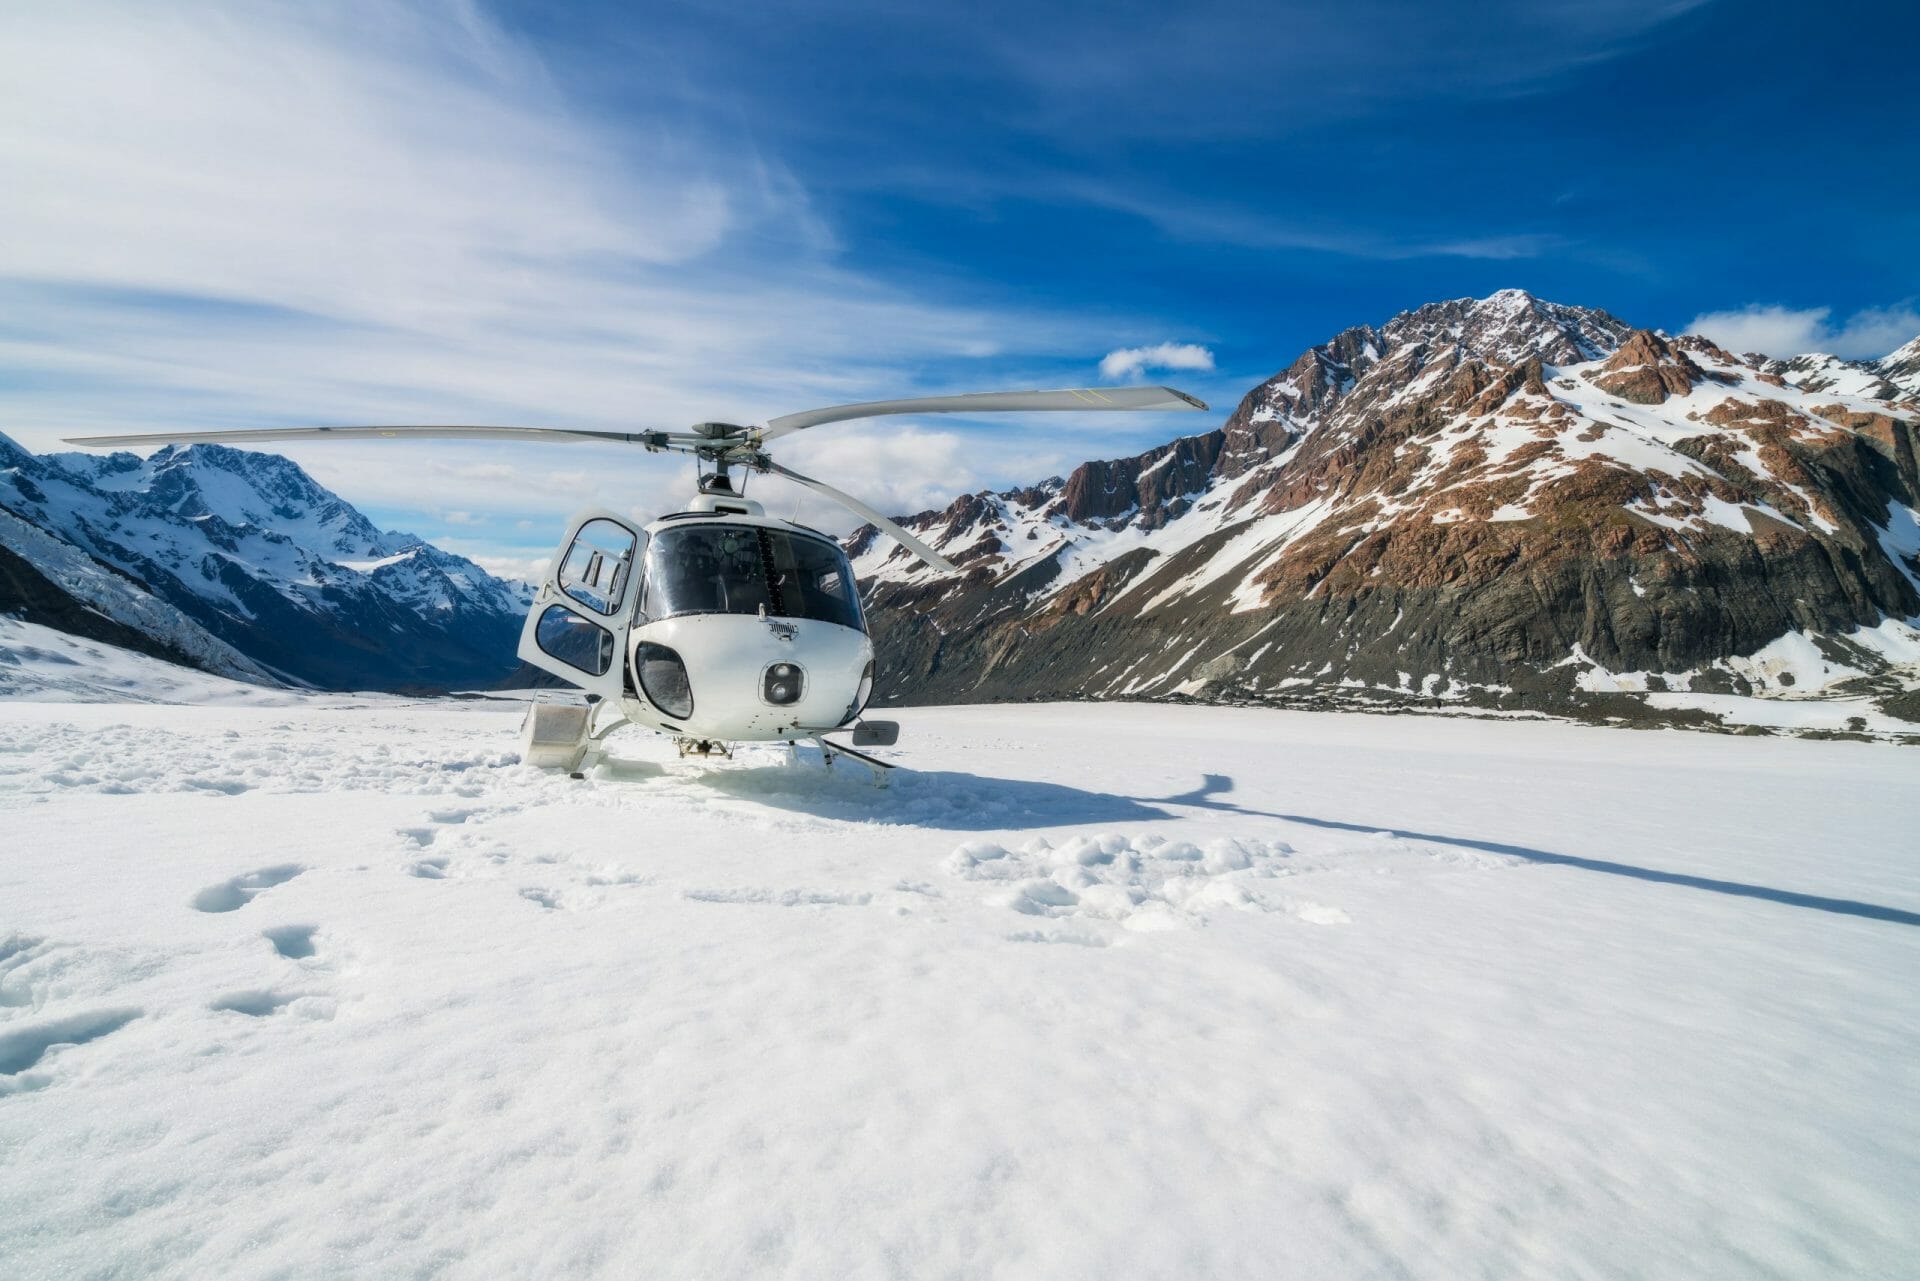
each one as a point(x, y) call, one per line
point(1501, 499)
point(1892, 378)
point(240, 563)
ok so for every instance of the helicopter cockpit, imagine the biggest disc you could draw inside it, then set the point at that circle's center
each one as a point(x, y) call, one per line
point(745, 569)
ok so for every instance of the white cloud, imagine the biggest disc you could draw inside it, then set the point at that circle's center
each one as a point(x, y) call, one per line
point(1131, 362)
point(1785, 332)
point(898, 467)
point(528, 569)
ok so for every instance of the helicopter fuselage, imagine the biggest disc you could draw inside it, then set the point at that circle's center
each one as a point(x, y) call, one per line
point(715, 625)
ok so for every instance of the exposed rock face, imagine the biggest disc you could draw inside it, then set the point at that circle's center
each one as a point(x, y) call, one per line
point(1647, 369)
point(1502, 498)
point(238, 562)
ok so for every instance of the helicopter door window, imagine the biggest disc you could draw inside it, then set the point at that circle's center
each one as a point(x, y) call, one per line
point(575, 641)
point(597, 565)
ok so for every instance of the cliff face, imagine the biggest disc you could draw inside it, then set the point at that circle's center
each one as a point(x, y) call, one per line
point(1499, 500)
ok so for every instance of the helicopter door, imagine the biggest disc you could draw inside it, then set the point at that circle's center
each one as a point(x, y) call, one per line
point(577, 628)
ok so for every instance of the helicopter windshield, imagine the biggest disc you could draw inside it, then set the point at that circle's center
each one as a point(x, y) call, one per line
point(737, 569)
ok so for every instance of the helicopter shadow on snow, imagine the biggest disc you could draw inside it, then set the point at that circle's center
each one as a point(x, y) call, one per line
point(942, 800)
point(1214, 787)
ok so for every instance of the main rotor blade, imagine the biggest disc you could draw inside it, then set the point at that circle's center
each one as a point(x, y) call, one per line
point(859, 508)
point(556, 435)
point(990, 402)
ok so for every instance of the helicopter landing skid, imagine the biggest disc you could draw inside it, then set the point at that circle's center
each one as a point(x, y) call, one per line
point(703, 747)
point(880, 769)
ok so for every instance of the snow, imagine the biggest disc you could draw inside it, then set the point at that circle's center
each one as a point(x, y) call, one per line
point(368, 566)
point(1791, 668)
point(1832, 714)
point(46, 665)
point(336, 987)
point(1900, 540)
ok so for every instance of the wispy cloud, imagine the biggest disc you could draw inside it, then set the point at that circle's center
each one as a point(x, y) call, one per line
point(1291, 66)
point(1131, 362)
point(226, 213)
point(1785, 331)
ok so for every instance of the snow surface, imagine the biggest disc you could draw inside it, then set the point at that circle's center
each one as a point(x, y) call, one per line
point(338, 988)
point(48, 665)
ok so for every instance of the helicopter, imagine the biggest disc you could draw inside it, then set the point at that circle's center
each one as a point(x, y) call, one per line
point(719, 624)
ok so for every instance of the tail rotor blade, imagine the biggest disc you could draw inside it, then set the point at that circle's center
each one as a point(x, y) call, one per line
point(859, 508)
point(1082, 399)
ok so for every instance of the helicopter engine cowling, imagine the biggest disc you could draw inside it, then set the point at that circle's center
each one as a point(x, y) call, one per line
point(755, 679)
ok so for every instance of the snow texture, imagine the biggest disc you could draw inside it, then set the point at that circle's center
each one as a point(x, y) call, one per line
point(338, 988)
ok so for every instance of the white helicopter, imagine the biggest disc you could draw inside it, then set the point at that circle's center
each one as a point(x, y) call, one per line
point(731, 626)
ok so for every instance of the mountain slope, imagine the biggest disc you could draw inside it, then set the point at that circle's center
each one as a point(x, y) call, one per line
point(46, 581)
point(244, 549)
point(1501, 500)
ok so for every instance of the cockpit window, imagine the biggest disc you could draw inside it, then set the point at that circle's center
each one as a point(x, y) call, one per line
point(737, 569)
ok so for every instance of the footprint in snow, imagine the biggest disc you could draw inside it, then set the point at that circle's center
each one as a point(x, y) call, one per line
point(544, 898)
point(295, 942)
point(234, 894)
point(432, 869)
point(22, 1048)
point(260, 1003)
point(255, 1004)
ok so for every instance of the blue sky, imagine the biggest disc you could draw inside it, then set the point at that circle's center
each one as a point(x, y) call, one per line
point(610, 214)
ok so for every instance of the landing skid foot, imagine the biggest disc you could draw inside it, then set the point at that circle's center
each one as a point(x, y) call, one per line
point(878, 768)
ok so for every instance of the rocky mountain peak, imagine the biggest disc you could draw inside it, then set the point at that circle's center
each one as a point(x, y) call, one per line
point(246, 488)
point(1509, 327)
point(1647, 368)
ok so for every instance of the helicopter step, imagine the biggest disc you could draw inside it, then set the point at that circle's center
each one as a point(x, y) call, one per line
point(556, 735)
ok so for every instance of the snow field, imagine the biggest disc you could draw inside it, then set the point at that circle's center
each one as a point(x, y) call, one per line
point(339, 988)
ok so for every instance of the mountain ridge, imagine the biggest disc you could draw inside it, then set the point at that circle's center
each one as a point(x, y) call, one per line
point(1532, 503)
point(239, 562)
